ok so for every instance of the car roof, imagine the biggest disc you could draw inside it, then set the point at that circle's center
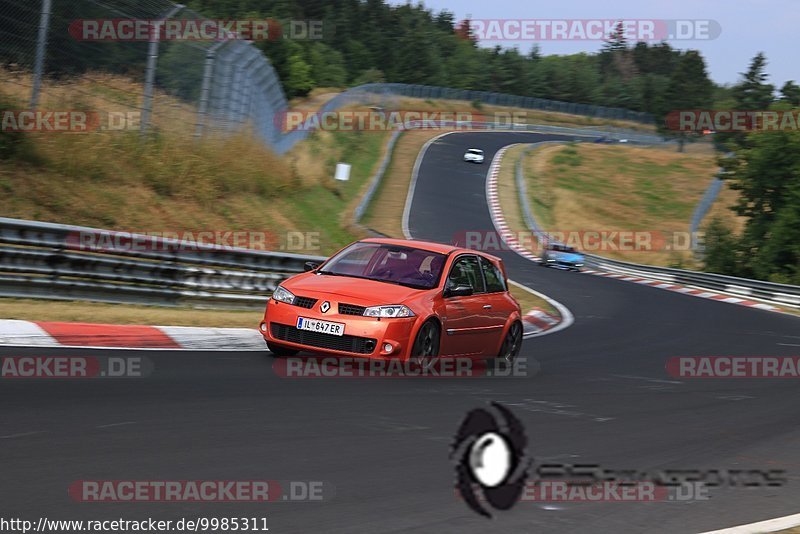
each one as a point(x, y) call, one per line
point(475, 149)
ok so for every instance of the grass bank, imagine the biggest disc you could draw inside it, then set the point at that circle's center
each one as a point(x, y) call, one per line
point(621, 188)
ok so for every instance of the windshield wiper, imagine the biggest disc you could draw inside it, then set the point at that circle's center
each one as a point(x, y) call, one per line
point(331, 273)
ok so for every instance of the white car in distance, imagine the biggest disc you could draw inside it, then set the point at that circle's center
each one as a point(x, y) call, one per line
point(473, 155)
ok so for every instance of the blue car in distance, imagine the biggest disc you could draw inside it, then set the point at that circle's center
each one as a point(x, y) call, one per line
point(562, 257)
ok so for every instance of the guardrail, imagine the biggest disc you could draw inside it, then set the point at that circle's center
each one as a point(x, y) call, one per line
point(781, 294)
point(56, 261)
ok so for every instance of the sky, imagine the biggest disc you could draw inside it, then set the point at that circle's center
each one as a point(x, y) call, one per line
point(747, 27)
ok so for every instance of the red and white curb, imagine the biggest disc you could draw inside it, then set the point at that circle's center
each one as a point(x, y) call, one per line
point(496, 210)
point(84, 335)
point(513, 243)
point(537, 320)
point(141, 337)
point(702, 293)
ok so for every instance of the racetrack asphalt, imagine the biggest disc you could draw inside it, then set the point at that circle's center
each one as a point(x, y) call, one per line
point(602, 396)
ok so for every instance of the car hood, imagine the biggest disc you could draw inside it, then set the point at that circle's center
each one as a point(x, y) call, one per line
point(357, 290)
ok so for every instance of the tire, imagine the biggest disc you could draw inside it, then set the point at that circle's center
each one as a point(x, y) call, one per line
point(425, 350)
point(279, 351)
point(512, 343)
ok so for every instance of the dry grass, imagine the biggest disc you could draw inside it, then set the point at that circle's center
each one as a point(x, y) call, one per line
point(94, 312)
point(622, 188)
point(169, 181)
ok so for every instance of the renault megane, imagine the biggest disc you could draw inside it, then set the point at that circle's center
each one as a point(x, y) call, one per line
point(393, 298)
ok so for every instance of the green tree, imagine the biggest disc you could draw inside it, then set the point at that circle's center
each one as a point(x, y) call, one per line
point(790, 93)
point(720, 249)
point(766, 172)
point(689, 88)
point(753, 92)
point(298, 81)
point(327, 66)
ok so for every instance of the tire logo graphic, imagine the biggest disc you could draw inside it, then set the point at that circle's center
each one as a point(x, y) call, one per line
point(489, 453)
point(325, 306)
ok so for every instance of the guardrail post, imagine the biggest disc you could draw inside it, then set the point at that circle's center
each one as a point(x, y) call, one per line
point(41, 45)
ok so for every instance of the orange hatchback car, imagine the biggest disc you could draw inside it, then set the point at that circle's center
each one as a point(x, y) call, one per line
point(393, 298)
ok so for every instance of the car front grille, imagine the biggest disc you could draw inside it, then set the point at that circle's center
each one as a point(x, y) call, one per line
point(351, 309)
point(346, 343)
point(305, 302)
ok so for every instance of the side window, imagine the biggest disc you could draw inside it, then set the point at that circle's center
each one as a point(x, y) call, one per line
point(493, 276)
point(466, 271)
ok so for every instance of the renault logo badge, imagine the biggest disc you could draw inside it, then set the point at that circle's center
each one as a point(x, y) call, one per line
point(325, 307)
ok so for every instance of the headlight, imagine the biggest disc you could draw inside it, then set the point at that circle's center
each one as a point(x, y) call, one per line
point(283, 295)
point(395, 310)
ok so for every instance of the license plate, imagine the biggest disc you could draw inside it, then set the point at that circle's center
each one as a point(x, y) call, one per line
point(323, 327)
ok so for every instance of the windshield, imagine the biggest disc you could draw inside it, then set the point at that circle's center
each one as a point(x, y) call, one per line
point(394, 264)
point(475, 151)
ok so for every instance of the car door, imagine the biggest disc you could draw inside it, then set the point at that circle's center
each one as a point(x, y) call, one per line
point(498, 299)
point(466, 322)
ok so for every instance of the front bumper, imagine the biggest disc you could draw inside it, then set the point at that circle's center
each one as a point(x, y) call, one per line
point(565, 265)
point(364, 337)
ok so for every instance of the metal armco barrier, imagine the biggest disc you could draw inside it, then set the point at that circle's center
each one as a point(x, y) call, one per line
point(781, 294)
point(44, 260)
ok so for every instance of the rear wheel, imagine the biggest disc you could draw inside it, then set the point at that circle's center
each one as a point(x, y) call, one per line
point(279, 351)
point(512, 343)
point(426, 345)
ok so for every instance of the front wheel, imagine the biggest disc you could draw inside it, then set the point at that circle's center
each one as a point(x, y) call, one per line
point(279, 351)
point(512, 343)
point(426, 345)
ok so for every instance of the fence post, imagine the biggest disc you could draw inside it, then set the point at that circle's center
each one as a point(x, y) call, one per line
point(152, 58)
point(41, 45)
point(208, 69)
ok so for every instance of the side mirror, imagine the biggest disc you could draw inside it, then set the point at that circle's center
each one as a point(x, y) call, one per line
point(458, 291)
point(310, 266)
